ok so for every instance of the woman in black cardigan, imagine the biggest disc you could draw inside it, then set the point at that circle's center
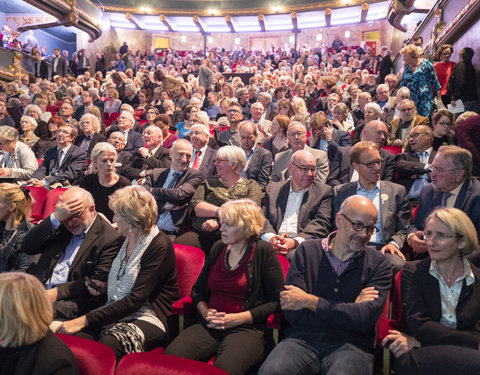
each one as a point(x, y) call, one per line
point(237, 290)
point(142, 283)
point(441, 301)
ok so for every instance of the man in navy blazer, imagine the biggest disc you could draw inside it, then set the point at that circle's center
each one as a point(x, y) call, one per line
point(153, 155)
point(134, 140)
point(452, 186)
point(174, 187)
point(259, 160)
point(413, 166)
point(63, 164)
point(390, 200)
point(341, 170)
point(297, 209)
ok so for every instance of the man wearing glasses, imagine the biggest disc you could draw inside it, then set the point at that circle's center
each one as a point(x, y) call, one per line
point(452, 186)
point(64, 164)
point(413, 167)
point(75, 243)
point(401, 127)
point(297, 137)
point(296, 209)
point(335, 291)
point(231, 136)
point(390, 200)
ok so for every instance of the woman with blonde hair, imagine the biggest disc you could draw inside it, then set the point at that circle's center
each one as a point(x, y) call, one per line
point(441, 301)
point(238, 288)
point(420, 77)
point(300, 108)
point(114, 103)
point(278, 141)
point(27, 346)
point(15, 204)
point(142, 283)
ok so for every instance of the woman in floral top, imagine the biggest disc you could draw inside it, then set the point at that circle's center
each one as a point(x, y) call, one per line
point(212, 193)
point(420, 77)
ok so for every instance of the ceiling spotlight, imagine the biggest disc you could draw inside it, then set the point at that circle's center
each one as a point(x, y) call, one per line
point(210, 39)
point(148, 10)
point(291, 39)
point(237, 41)
point(319, 37)
point(347, 34)
point(184, 39)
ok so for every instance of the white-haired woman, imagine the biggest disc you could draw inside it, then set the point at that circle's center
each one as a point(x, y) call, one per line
point(28, 125)
point(212, 193)
point(372, 112)
point(91, 127)
point(104, 181)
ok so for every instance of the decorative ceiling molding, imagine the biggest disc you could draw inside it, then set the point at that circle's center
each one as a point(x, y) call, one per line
point(236, 12)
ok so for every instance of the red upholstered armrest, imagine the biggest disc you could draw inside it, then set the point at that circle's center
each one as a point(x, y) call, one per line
point(275, 320)
point(385, 326)
point(182, 306)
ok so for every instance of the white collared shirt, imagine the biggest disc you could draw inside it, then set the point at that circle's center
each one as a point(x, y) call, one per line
point(450, 295)
point(194, 156)
point(289, 224)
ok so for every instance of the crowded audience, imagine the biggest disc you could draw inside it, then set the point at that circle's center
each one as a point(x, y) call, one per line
point(316, 157)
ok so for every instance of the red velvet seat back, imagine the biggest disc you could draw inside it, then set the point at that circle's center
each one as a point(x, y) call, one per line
point(161, 364)
point(393, 149)
point(51, 201)
point(190, 262)
point(397, 307)
point(93, 358)
point(39, 195)
point(285, 265)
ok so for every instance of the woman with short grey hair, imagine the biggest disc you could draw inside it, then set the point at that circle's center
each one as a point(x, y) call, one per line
point(19, 161)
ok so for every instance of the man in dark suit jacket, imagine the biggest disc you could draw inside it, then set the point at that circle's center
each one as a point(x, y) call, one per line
point(401, 127)
point(75, 243)
point(325, 137)
point(90, 98)
point(306, 202)
point(40, 67)
point(60, 65)
point(151, 156)
point(174, 187)
point(389, 198)
point(341, 170)
point(199, 137)
point(259, 160)
point(413, 168)
point(134, 140)
point(452, 186)
point(63, 164)
point(297, 137)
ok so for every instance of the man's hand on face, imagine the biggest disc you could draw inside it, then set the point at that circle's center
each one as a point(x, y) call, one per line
point(65, 210)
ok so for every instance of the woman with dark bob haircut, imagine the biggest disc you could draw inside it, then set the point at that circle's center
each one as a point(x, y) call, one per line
point(441, 302)
point(238, 288)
